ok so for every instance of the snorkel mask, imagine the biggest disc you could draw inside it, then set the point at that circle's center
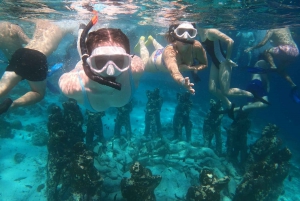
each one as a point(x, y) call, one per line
point(185, 32)
point(102, 67)
point(109, 61)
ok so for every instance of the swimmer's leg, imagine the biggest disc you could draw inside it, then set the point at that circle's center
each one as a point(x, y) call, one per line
point(268, 54)
point(137, 47)
point(151, 40)
point(144, 53)
point(37, 93)
point(8, 81)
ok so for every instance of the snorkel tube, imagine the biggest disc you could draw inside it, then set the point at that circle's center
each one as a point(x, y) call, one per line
point(108, 81)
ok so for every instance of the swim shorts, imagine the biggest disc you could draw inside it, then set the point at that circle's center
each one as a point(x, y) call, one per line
point(29, 64)
point(256, 87)
point(289, 50)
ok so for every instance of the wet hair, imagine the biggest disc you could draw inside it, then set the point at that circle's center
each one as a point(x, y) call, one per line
point(107, 35)
point(170, 32)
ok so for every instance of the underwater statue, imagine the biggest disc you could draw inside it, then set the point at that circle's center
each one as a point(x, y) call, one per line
point(152, 116)
point(237, 138)
point(266, 168)
point(94, 127)
point(209, 189)
point(71, 174)
point(123, 120)
point(267, 144)
point(182, 117)
point(73, 120)
point(212, 126)
point(141, 185)
point(264, 180)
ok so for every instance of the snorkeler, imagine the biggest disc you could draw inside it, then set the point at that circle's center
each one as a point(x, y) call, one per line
point(221, 67)
point(283, 52)
point(107, 75)
point(183, 54)
point(30, 63)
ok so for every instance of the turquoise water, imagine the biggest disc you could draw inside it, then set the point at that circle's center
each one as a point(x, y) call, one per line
point(22, 181)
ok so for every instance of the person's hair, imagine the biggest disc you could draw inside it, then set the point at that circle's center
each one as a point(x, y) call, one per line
point(170, 32)
point(107, 35)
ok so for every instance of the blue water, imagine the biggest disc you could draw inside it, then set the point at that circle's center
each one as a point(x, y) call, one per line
point(137, 18)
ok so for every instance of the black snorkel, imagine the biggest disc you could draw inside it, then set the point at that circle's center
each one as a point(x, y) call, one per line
point(171, 31)
point(108, 81)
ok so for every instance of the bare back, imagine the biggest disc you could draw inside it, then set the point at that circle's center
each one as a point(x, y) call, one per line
point(12, 37)
point(281, 37)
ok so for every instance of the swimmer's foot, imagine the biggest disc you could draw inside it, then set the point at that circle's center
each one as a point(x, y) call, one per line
point(149, 41)
point(5, 105)
point(137, 47)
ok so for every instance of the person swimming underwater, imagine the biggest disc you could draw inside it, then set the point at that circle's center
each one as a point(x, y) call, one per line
point(107, 75)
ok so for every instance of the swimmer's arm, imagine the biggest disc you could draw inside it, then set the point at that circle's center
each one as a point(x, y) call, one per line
point(215, 34)
point(169, 57)
point(69, 85)
point(264, 41)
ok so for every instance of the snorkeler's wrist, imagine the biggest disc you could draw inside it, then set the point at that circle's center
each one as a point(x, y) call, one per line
point(182, 81)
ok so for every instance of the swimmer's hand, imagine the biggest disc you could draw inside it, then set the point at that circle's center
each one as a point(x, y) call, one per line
point(232, 63)
point(248, 49)
point(188, 85)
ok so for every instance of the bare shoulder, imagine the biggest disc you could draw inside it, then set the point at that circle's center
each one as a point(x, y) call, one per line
point(197, 45)
point(137, 65)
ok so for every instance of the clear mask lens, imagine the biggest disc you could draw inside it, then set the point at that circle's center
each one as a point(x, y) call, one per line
point(121, 61)
point(191, 33)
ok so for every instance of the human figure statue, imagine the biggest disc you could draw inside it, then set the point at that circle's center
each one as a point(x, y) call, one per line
point(123, 120)
point(182, 117)
point(140, 186)
point(209, 189)
point(152, 113)
point(212, 126)
point(94, 127)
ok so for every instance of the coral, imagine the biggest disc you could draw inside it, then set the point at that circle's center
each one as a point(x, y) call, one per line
point(19, 157)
